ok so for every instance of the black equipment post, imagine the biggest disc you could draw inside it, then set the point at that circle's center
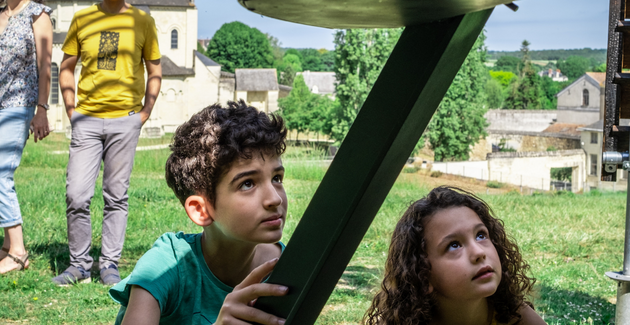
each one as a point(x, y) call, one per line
point(390, 123)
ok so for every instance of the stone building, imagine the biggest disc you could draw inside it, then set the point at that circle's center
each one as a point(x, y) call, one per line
point(592, 137)
point(190, 80)
point(259, 87)
point(580, 102)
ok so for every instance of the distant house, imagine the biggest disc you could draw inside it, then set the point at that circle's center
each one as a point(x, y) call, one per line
point(258, 87)
point(555, 75)
point(322, 83)
point(580, 102)
point(592, 145)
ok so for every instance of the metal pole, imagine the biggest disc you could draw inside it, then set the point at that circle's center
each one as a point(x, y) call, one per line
point(622, 313)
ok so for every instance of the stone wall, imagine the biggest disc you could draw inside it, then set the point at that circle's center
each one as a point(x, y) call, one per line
point(520, 120)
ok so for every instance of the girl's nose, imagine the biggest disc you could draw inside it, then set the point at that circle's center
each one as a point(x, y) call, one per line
point(478, 253)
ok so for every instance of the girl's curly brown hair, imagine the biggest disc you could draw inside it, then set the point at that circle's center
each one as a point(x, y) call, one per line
point(404, 298)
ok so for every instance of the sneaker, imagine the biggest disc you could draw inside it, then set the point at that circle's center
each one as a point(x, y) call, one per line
point(72, 275)
point(110, 275)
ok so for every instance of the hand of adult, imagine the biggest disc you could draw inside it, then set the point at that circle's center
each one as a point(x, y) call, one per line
point(144, 116)
point(39, 125)
point(238, 306)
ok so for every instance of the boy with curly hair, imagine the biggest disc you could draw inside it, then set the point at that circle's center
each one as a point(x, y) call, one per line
point(225, 169)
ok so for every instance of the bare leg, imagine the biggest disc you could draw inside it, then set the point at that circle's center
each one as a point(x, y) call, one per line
point(16, 248)
point(6, 244)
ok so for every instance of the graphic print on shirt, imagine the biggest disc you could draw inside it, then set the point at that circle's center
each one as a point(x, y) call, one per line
point(108, 50)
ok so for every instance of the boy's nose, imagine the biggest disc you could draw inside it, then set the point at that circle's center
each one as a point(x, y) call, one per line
point(272, 197)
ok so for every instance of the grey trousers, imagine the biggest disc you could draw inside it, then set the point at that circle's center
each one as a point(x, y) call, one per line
point(114, 142)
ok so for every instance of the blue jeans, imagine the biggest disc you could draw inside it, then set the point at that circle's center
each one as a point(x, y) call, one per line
point(14, 126)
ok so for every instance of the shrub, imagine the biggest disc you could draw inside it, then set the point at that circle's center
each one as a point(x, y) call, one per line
point(495, 184)
point(410, 169)
point(436, 173)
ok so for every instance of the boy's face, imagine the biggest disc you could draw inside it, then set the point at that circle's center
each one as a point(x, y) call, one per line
point(250, 202)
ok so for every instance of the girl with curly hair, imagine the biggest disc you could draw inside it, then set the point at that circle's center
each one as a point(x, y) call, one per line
point(451, 262)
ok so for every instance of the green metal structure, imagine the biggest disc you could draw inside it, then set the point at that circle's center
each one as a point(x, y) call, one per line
point(408, 91)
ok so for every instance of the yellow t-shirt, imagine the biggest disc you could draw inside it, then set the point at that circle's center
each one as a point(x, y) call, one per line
point(111, 48)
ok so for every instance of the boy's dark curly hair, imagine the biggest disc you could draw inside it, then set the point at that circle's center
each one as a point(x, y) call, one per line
point(404, 298)
point(205, 147)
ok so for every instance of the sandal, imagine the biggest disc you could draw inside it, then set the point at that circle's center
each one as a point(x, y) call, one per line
point(20, 261)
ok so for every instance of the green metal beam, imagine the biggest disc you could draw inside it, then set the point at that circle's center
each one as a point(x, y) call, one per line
point(390, 123)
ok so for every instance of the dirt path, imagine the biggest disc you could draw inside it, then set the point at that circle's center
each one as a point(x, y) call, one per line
point(470, 184)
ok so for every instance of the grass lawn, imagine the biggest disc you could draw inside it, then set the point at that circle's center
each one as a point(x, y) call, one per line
point(569, 241)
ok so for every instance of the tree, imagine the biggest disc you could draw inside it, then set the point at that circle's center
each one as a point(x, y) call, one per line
point(494, 93)
point(236, 45)
point(459, 121)
point(508, 63)
point(574, 66)
point(359, 57)
point(311, 60)
point(304, 111)
point(200, 48)
point(526, 93)
point(288, 67)
point(327, 60)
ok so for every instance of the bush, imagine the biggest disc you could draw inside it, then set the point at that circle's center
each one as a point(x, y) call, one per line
point(552, 148)
point(410, 169)
point(436, 174)
point(495, 184)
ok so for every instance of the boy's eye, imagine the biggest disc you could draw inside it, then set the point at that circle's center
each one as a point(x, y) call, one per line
point(453, 246)
point(482, 235)
point(277, 179)
point(246, 185)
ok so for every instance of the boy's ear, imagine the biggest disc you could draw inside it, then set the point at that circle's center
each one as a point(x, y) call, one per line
point(199, 210)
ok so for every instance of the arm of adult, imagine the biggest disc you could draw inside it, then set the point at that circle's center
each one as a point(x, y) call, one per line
point(530, 317)
point(154, 82)
point(238, 306)
point(42, 30)
point(143, 308)
point(66, 82)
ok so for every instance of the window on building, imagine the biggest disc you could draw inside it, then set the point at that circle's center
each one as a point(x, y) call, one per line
point(54, 84)
point(593, 137)
point(584, 97)
point(593, 170)
point(174, 39)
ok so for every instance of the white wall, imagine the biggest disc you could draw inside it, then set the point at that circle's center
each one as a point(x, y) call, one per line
point(533, 169)
point(519, 120)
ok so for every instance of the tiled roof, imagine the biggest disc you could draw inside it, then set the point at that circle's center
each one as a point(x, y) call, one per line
point(206, 60)
point(599, 76)
point(563, 128)
point(169, 68)
point(256, 79)
point(324, 81)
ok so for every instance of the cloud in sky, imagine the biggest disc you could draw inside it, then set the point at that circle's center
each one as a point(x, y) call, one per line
point(546, 24)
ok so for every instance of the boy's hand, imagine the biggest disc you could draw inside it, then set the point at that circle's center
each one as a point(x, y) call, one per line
point(237, 307)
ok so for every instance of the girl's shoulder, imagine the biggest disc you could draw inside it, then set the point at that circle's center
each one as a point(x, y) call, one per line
point(36, 9)
point(528, 317)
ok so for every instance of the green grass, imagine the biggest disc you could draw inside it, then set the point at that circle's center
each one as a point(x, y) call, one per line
point(569, 240)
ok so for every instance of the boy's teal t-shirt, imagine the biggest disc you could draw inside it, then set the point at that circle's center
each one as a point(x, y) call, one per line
point(176, 274)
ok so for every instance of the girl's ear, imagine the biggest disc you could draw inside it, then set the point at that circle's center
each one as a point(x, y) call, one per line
point(199, 210)
point(430, 288)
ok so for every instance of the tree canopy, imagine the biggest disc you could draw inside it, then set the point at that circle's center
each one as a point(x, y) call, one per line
point(304, 111)
point(236, 45)
point(459, 121)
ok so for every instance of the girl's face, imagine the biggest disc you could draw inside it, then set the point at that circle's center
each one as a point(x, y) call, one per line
point(464, 262)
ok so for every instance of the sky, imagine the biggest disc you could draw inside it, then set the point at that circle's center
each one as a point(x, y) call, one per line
point(546, 24)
